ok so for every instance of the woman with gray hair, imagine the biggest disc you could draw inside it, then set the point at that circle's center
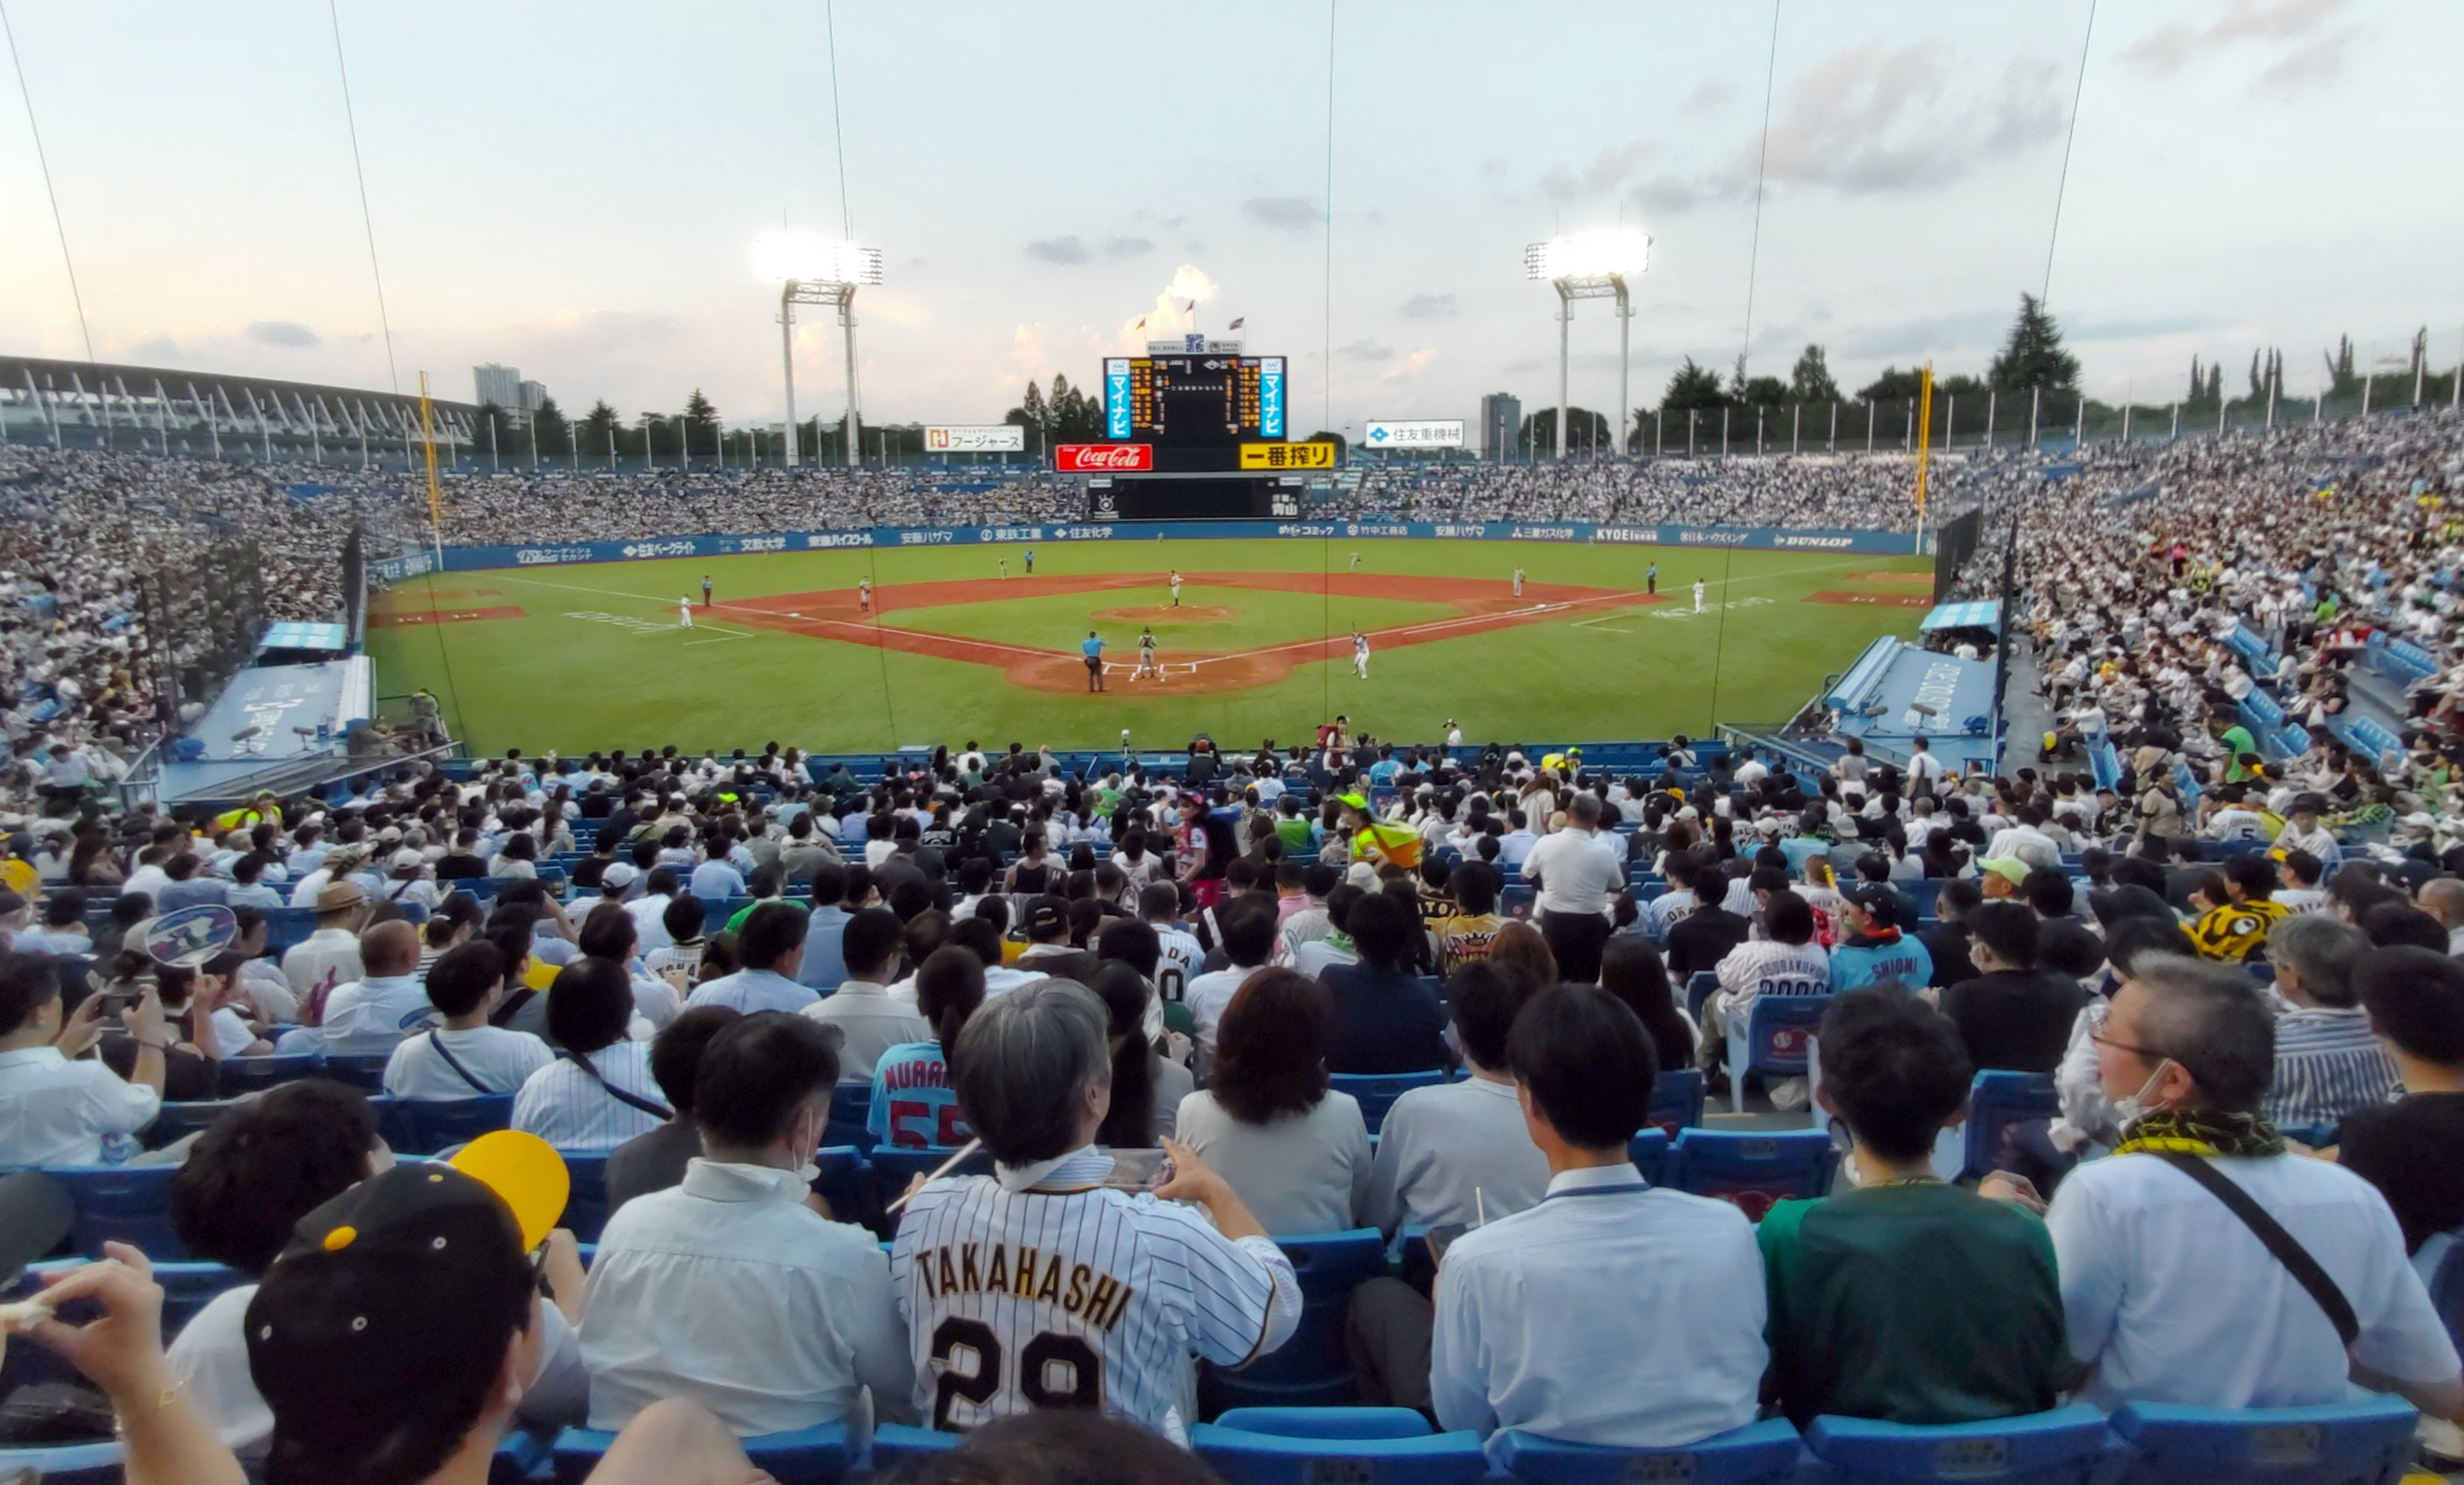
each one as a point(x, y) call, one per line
point(1055, 1282)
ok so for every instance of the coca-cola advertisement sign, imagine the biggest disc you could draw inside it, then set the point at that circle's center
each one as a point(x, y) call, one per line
point(1102, 458)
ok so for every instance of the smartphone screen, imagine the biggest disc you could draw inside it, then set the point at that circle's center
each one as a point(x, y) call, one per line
point(1138, 1169)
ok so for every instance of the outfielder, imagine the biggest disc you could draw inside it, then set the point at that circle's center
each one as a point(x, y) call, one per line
point(1699, 589)
point(864, 595)
point(1355, 562)
point(1041, 1286)
point(1360, 654)
point(684, 611)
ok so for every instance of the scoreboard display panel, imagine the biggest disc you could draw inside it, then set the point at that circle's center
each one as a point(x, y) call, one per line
point(1195, 400)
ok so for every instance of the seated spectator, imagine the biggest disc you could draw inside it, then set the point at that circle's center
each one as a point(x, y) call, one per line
point(466, 1058)
point(609, 933)
point(330, 955)
point(1900, 1298)
point(371, 1015)
point(1520, 950)
point(1633, 1318)
point(656, 1161)
point(1875, 951)
point(824, 968)
point(63, 931)
point(912, 1105)
point(1946, 941)
point(57, 1106)
point(2013, 1016)
point(2149, 1252)
point(688, 931)
point(867, 1018)
point(1706, 935)
point(2235, 910)
point(598, 1094)
point(1386, 1017)
point(771, 949)
point(1463, 934)
point(729, 1289)
point(1297, 1154)
point(1249, 929)
point(2327, 1062)
point(1787, 962)
point(1147, 1086)
point(1632, 971)
point(1059, 1447)
point(1332, 943)
point(2412, 1149)
point(1459, 1151)
point(247, 1181)
point(1034, 1081)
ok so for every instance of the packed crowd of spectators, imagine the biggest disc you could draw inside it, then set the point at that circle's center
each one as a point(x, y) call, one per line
point(679, 962)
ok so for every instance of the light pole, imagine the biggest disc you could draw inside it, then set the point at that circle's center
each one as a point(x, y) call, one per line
point(1590, 266)
point(815, 272)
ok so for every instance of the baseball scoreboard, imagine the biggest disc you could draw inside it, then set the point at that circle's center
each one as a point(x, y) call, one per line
point(1195, 428)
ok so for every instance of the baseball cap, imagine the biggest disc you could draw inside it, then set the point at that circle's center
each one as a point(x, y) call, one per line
point(2309, 802)
point(619, 875)
point(2009, 867)
point(1879, 901)
point(335, 896)
point(406, 1286)
point(407, 856)
point(1045, 912)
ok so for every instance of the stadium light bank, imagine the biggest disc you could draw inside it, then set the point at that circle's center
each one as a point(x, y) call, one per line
point(816, 271)
point(1591, 265)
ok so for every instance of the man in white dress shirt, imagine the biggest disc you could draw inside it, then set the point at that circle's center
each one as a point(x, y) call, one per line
point(330, 955)
point(55, 1110)
point(2170, 1294)
point(466, 1058)
point(373, 1013)
point(1576, 869)
point(731, 1290)
point(771, 947)
point(1610, 1313)
point(862, 1010)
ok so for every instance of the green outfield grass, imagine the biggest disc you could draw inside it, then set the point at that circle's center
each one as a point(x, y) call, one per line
point(596, 659)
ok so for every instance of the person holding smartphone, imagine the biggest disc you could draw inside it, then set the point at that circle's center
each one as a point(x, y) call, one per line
point(57, 1106)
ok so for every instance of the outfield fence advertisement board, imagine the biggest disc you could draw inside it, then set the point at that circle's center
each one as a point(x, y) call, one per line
point(561, 553)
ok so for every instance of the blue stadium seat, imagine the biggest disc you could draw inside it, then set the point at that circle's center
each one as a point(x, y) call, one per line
point(1773, 1040)
point(893, 1168)
point(1313, 1368)
point(2000, 1103)
point(130, 1204)
point(716, 912)
point(2065, 1447)
point(1649, 1152)
point(1752, 1170)
point(178, 1120)
point(895, 1443)
point(2441, 1266)
point(1700, 987)
point(286, 928)
point(522, 1456)
point(1376, 1092)
point(586, 1208)
point(362, 1070)
point(850, 1107)
point(63, 1464)
point(1759, 1453)
point(1515, 902)
point(238, 1075)
point(2362, 1443)
point(1353, 1422)
point(1284, 1446)
point(430, 1126)
point(844, 1181)
point(1677, 1100)
point(807, 1456)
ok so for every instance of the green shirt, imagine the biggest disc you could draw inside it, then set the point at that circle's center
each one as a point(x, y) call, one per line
point(2237, 741)
point(1921, 1303)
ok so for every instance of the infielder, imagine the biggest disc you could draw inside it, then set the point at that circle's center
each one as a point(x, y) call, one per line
point(1004, 569)
point(864, 595)
point(1147, 666)
point(1360, 654)
point(1518, 582)
point(1041, 1286)
point(1175, 587)
point(1699, 589)
point(684, 611)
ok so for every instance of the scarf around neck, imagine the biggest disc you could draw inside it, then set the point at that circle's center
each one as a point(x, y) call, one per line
point(2202, 1131)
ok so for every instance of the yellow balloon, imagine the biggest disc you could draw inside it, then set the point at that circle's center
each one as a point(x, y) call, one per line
point(526, 1171)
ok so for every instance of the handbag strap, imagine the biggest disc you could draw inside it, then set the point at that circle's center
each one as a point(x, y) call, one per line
point(621, 1095)
point(437, 1044)
point(2271, 1233)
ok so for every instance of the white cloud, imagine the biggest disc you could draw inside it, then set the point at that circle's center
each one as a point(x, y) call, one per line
point(1065, 250)
point(1284, 214)
point(2169, 48)
point(281, 332)
point(1429, 306)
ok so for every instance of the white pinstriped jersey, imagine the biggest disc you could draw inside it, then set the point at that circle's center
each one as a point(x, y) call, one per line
point(1070, 1295)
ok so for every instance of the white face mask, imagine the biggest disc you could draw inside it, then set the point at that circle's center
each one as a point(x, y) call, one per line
point(2131, 1109)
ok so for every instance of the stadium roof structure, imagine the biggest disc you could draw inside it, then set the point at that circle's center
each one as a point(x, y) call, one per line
point(1986, 614)
point(103, 404)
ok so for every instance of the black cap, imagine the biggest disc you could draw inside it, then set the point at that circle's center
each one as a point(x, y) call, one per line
point(409, 1283)
point(1879, 901)
point(1047, 912)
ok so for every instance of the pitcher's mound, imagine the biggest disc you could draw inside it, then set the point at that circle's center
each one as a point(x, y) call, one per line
point(1187, 613)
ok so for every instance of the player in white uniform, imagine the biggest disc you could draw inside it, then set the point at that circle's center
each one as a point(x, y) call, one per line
point(1355, 562)
point(1004, 569)
point(1175, 587)
point(1040, 1286)
point(1147, 666)
point(1699, 587)
point(1518, 582)
point(864, 595)
point(1360, 654)
point(684, 611)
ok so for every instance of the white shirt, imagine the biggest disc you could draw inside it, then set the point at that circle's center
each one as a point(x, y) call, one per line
point(500, 1058)
point(55, 1112)
point(2028, 843)
point(872, 1024)
point(1763, 966)
point(566, 1106)
point(650, 921)
point(1296, 1174)
point(322, 960)
point(1458, 1152)
point(1612, 1312)
point(2174, 1301)
point(730, 1292)
point(755, 989)
point(1209, 994)
point(1178, 963)
point(370, 1015)
point(1576, 871)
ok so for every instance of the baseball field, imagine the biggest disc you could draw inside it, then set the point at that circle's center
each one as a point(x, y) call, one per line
point(869, 650)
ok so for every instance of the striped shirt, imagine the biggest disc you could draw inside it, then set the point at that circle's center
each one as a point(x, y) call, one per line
point(1072, 1294)
point(566, 1106)
point(2327, 1065)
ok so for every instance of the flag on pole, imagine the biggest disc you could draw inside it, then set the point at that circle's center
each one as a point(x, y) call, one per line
point(1238, 323)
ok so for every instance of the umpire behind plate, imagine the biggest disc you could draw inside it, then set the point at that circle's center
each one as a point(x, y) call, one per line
point(1040, 1286)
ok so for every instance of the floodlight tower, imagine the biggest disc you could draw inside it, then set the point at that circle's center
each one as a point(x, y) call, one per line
point(1590, 266)
point(817, 273)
